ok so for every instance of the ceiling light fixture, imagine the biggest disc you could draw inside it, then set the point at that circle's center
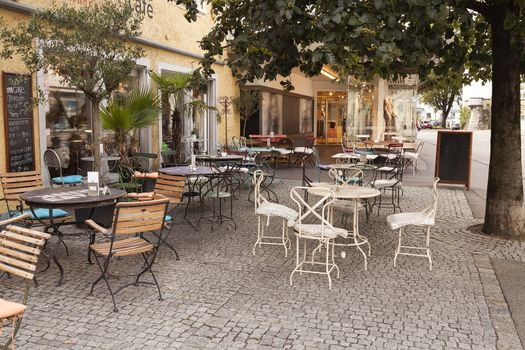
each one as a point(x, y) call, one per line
point(328, 74)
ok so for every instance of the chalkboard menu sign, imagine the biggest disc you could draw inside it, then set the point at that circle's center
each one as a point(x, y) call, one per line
point(453, 157)
point(18, 117)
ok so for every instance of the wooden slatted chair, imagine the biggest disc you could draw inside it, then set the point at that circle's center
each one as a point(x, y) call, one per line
point(171, 187)
point(130, 219)
point(19, 251)
point(15, 184)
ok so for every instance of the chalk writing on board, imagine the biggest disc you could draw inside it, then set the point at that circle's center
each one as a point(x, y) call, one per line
point(18, 119)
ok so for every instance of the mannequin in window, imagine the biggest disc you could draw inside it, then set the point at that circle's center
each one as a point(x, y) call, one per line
point(389, 115)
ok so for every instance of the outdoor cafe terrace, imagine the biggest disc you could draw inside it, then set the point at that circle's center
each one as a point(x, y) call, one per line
point(222, 290)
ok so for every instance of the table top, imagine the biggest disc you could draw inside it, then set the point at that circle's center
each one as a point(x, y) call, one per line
point(70, 197)
point(108, 158)
point(219, 158)
point(354, 156)
point(187, 171)
point(346, 191)
point(265, 149)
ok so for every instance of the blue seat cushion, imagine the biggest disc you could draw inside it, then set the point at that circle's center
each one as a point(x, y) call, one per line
point(68, 180)
point(168, 218)
point(324, 166)
point(43, 213)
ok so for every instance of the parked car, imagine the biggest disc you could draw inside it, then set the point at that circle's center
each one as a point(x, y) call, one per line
point(426, 125)
point(435, 123)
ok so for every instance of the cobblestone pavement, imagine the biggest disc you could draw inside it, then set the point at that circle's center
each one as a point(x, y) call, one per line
point(220, 296)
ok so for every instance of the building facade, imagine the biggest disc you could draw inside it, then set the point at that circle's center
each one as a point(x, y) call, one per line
point(170, 45)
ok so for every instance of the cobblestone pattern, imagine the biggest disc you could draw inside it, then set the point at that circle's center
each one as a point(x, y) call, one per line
point(220, 296)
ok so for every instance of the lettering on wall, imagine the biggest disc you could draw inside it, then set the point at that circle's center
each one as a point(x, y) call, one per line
point(18, 119)
point(142, 7)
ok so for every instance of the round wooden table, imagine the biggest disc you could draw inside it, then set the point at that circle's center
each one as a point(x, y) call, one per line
point(66, 198)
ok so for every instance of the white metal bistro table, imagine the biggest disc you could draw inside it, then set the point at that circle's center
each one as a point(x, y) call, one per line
point(354, 193)
point(355, 156)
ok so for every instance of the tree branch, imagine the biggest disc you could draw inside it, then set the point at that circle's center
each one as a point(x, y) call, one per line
point(479, 7)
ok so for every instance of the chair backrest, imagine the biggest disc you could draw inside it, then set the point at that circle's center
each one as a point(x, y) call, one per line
point(139, 217)
point(235, 144)
point(139, 163)
point(14, 184)
point(243, 141)
point(309, 141)
point(19, 250)
point(285, 142)
point(419, 147)
point(431, 210)
point(347, 144)
point(258, 178)
point(310, 212)
point(369, 174)
point(171, 186)
point(52, 160)
point(346, 175)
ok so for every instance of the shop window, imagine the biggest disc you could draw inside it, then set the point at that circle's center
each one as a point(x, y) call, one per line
point(68, 119)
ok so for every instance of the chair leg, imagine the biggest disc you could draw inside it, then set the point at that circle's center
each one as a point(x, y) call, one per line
point(398, 245)
point(428, 248)
point(149, 264)
point(103, 276)
point(327, 265)
point(257, 242)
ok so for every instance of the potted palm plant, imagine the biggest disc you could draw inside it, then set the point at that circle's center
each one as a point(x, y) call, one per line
point(125, 116)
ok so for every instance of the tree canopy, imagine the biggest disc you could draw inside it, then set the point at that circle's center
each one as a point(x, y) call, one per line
point(262, 39)
point(442, 92)
point(89, 46)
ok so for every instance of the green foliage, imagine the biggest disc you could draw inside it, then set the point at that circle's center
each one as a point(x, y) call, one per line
point(182, 89)
point(247, 104)
point(135, 110)
point(442, 92)
point(89, 46)
point(464, 117)
point(125, 116)
point(84, 44)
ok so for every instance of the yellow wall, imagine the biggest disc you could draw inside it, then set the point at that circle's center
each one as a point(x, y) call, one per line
point(15, 66)
point(169, 27)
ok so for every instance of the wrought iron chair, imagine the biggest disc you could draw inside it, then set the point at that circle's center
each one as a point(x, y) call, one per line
point(411, 158)
point(393, 183)
point(218, 190)
point(266, 163)
point(52, 161)
point(127, 179)
point(307, 150)
point(425, 219)
point(265, 208)
point(288, 145)
point(317, 162)
point(312, 226)
point(19, 251)
point(130, 219)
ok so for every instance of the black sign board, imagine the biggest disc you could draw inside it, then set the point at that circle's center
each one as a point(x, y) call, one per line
point(454, 157)
point(18, 118)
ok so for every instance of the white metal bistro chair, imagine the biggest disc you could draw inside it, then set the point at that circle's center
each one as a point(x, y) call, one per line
point(314, 225)
point(412, 158)
point(425, 219)
point(265, 208)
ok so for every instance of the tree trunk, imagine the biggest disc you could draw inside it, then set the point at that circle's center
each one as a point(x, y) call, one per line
point(504, 207)
point(95, 118)
point(176, 134)
point(245, 121)
point(444, 116)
